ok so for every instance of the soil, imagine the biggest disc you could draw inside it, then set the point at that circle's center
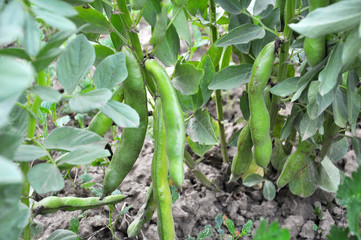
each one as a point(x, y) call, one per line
point(197, 206)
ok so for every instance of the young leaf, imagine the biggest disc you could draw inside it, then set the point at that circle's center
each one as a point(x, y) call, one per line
point(305, 183)
point(329, 176)
point(269, 190)
point(74, 225)
point(205, 233)
point(45, 178)
point(271, 232)
point(122, 114)
point(336, 17)
point(69, 139)
point(231, 77)
point(200, 129)
point(75, 62)
point(252, 180)
point(240, 35)
point(27, 153)
point(187, 78)
point(111, 71)
point(247, 227)
point(230, 226)
point(86, 102)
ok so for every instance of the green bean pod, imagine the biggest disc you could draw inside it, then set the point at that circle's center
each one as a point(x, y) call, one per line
point(162, 194)
point(315, 48)
point(259, 116)
point(144, 214)
point(100, 124)
point(52, 204)
point(131, 142)
point(173, 120)
point(243, 158)
point(294, 163)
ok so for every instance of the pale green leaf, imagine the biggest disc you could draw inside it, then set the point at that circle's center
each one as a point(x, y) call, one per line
point(231, 77)
point(122, 114)
point(85, 102)
point(45, 177)
point(241, 35)
point(26, 153)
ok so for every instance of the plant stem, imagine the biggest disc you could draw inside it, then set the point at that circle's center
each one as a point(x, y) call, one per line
point(283, 63)
point(222, 135)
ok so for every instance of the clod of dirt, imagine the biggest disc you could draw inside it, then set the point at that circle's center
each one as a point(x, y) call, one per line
point(294, 224)
point(307, 230)
point(326, 223)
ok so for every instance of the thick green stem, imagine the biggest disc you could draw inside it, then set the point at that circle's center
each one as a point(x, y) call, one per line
point(290, 8)
point(214, 33)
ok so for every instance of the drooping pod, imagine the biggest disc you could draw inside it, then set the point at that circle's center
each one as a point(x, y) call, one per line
point(259, 116)
point(173, 121)
point(132, 139)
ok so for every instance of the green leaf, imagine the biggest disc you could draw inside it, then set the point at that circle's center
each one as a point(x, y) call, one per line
point(338, 150)
point(187, 78)
point(231, 77)
point(9, 175)
point(317, 104)
point(96, 22)
point(21, 77)
point(15, 52)
point(305, 183)
point(262, 5)
point(54, 19)
point(138, 4)
point(123, 115)
point(26, 153)
point(351, 47)
point(101, 52)
point(152, 8)
point(339, 107)
point(286, 87)
point(230, 226)
point(353, 100)
point(209, 72)
point(236, 21)
point(232, 142)
point(336, 17)
point(356, 145)
point(14, 221)
point(205, 233)
point(269, 190)
point(240, 35)
point(181, 25)
point(271, 232)
point(199, 149)
point(82, 156)
point(329, 176)
point(338, 233)
point(69, 139)
point(74, 225)
point(56, 6)
point(111, 71)
point(200, 129)
point(252, 180)
point(61, 234)
point(329, 75)
point(9, 143)
point(86, 102)
point(190, 103)
point(75, 62)
point(309, 127)
point(31, 36)
point(46, 93)
point(247, 227)
point(231, 6)
point(167, 51)
point(45, 178)
point(11, 22)
point(160, 27)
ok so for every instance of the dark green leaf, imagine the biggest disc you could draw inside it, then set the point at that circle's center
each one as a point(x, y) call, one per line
point(123, 115)
point(236, 21)
point(190, 103)
point(240, 35)
point(338, 233)
point(82, 156)
point(138, 4)
point(200, 129)
point(96, 21)
point(27, 153)
point(75, 62)
point(309, 127)
point(271, 232)
point(101, 52)
point(232, 142)
point(152, 8)
point(339, 107)
point(167, 51)
point(329, 75)
point(195, 6)
point(111, 71)
point(45, 178)
point(74, 225)
point(231, 77)
point(85, 102)
point(181, 25)
point(329, 176)
point(46, 93)
point(209, 72)
point(338, 150)
point(351, 48)
point(356, 145)
point(231, 6)
point(305, 183)
point(336, 17)
point(286, 87)
point(69, 139)
point(15, 52)
point(252, 180)
point(269, 190)
point(353, 100)
point(160, 27)
point(187, 78)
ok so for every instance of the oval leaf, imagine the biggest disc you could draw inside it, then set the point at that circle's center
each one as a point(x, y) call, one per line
point(252, 180)
point(85, 102)
point(286, 87)
point(305, 183)
point(241, 35)
point(46, 93)
point(187, 78)
point(231, 77)
point(45, 178)
point(200, 129)
point(61, 234)
point(27, 153)
point(329, 176)
point(269, 190)
point(122, 114)
point(82, 156)
point(111, 71)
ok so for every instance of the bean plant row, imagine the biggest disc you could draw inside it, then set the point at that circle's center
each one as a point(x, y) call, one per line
point(72, 71)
